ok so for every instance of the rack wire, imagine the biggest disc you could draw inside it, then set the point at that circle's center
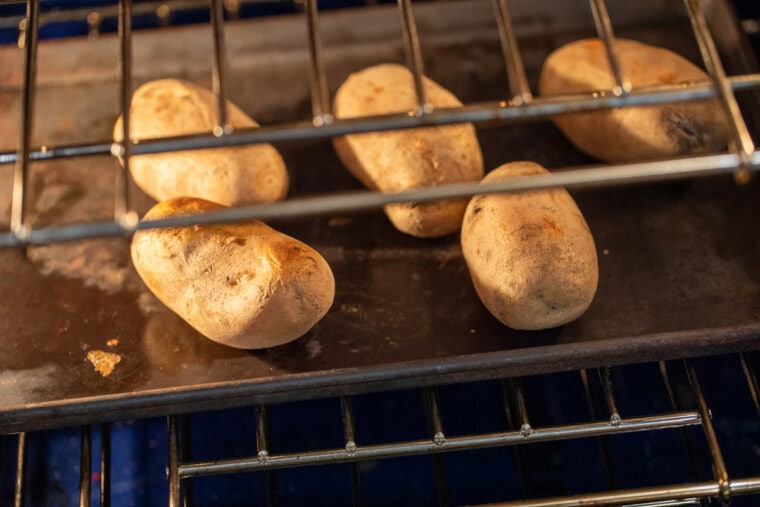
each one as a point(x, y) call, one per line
point(742, 158)
point(519, 433)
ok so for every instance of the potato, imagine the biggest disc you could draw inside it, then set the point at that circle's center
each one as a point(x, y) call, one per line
point(639, 133)
point(395, 161)
point(230, 176)
point(531, 255)
point(244, 285)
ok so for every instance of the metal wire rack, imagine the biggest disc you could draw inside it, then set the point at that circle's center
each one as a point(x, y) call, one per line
point(742, 157)
point(606, 420)
point(519, 105)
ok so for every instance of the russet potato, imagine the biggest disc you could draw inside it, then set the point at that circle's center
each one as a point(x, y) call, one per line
point(396, 161)
point(231, 176)
point(244, 285)
point(635, 133)
point(531, 255)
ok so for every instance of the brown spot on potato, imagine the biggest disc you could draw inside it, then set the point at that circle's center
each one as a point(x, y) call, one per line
point(593, 44)
point(477, 204)
point(551, 225)
point(286, 252)
point(668, 78)
point(236, 241)
point(683, 130)
point(526, 232)
point(234, 280)
point(189, 250)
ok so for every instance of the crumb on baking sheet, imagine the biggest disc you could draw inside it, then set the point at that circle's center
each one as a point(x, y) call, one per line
point(112, 342)
point(104, 362)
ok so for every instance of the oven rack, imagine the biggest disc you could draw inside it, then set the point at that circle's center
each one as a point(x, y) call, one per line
point(742, 158)
point(690, 410)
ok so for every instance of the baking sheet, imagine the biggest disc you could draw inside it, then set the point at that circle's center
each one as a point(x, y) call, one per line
point(679, 270)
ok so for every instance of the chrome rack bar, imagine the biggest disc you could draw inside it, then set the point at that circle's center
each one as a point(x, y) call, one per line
point(742, 139)
point(605, 378)
point(173, 468)
point(262, 447)
point(122, 214)
point(433, 415)
point(688, 442)
point(426, 446)
point(85, 466)
point(749, 374)
point(220, 69)
point(540, 107)
point(21, 173)
point(262, 454)
point(164, 13)
point(320, 95)
point(18, 496)
point(186, 448)
point(719, 466)
point(414, 56)
point(604, 30)
point(602, 442)
point(515, 385)
point(94, 24)
point(637, 496)
point(691, 502)
point(671, 169)
point(105, 465)
point(347, 416)
point(518, 80)
point(511, 426)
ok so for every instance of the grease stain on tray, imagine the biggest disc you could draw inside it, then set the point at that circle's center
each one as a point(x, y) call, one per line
point(15, 385)
point(313, 348)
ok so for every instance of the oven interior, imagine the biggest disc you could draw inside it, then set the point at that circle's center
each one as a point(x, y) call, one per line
point(407, 398)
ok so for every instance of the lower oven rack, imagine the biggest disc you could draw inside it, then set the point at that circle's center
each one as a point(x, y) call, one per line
point(681, 387)
point(698, 235)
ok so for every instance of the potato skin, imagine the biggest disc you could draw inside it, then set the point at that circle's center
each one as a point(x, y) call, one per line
point(244, 285)
point(401, 160)
point(531, 255)
point(230, 176)
point(639, 133)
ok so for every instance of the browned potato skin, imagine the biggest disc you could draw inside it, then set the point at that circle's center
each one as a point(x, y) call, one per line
point(639, 133)
point(395, 161)
point(244, 285)
point(231, 176)
point(531, 255)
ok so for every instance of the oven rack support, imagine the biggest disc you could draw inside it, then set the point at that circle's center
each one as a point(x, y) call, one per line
point(519, 433)
point(741, 159)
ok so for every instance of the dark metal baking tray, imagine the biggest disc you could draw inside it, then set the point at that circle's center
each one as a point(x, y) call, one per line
point(679, 262)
